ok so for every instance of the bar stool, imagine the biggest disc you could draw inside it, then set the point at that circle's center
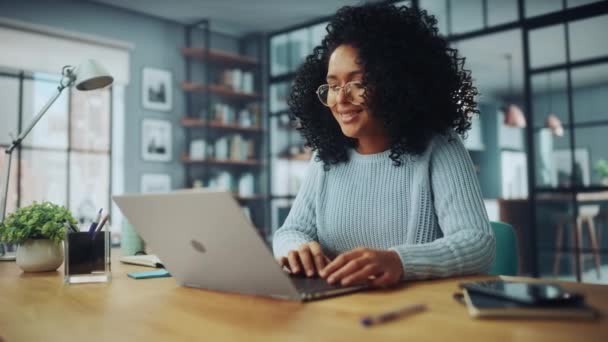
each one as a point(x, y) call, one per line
point(586, 215)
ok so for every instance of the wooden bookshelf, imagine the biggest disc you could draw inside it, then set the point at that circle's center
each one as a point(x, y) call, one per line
point(222, 162)
point(219, 57)
point(201, 123)
point(220, 90)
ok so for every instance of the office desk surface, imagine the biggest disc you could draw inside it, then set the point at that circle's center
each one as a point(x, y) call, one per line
point(39, 307)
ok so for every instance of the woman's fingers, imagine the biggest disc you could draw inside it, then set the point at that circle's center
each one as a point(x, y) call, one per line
point(319, 258)
point(360, 276)
point(307, 261)
point(294, 262)
point(351, 267)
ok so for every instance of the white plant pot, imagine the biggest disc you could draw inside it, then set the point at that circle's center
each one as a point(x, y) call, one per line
point(39, 255)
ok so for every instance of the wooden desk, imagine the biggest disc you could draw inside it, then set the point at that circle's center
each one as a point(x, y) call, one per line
point(39, 307)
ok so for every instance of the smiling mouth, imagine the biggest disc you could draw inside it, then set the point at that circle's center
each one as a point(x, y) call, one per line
point(350, 116)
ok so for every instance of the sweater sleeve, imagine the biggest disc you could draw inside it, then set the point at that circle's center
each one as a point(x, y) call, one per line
point(300, 225)
point(468, 244)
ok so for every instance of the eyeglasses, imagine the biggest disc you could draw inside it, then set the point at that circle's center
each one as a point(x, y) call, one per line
point(353, 91)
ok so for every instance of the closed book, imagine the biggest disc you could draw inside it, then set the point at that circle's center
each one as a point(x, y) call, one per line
point(149, 260)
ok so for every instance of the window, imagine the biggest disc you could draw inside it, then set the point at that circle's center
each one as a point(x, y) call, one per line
point(65, 159)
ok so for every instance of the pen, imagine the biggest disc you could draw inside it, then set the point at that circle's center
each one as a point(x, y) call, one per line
point(102, 223)
point(391, 315)
point(94, 223)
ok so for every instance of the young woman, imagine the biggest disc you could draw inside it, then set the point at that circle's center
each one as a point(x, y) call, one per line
point(391, 193)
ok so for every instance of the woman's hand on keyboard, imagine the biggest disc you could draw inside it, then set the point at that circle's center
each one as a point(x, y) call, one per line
point(308, 259)
point(382, 267)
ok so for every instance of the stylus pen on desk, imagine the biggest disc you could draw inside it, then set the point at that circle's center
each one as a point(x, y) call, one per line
point(391, 315)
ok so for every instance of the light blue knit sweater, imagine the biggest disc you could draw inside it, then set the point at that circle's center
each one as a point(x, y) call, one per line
point(429, 210)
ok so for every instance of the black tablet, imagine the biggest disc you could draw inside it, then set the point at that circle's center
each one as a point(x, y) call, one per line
point(526, 293)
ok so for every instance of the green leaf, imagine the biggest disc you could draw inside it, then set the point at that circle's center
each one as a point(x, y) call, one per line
point(38, 220)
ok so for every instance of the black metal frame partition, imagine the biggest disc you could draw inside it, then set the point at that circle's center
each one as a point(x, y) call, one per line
point(526, 25)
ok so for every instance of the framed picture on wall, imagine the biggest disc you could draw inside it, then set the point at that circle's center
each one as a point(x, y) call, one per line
point(562, 163)
point(156, 140)
point(155, 183)
point(157, 89)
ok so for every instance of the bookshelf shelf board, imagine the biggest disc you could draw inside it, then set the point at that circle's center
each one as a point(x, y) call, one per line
point(201, 123)
point(219, 57)
point(222, 162)
point(219, 90)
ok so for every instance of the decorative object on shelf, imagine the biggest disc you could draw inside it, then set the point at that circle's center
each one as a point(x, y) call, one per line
point(155, 183)
point(565, 174)
point(198, 149)
point(514, 117)
point(246, 185)
point(38, 231)
point(89, 75)
point(601, 168)
point(156, 140)
point(157, 89)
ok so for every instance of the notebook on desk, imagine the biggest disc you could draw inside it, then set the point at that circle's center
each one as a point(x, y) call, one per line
point(205, 241)
point(149, 260)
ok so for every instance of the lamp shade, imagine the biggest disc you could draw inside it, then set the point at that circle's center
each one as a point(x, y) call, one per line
point(514, 117)
point(91, 75)
point(554, 124)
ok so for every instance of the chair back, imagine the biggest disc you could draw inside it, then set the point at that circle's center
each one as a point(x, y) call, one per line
point(506, 261)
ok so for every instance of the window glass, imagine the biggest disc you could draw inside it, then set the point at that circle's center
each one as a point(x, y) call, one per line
point(590, 93)
point(467, 15)
point(9, 102)
point(51, 130)
point(547, 46)
point(44, 176)
point(534, 8)
point(501, 12)
point(89, 184)
point(299, 45)
point(585, 36)
point(90, 126)
point(279, 57)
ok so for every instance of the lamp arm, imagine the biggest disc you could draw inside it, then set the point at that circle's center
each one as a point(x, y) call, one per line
point(5, 176)
point(68, 78)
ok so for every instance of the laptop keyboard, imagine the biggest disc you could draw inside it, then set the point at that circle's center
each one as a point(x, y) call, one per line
point(311, 285)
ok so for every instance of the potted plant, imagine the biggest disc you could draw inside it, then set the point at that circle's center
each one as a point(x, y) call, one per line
point(601, 167)
point(38, 231)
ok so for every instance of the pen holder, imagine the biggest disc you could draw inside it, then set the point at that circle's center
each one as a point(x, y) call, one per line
point(87, 257)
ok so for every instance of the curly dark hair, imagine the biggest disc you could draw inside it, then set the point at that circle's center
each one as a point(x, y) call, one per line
point(414, 81)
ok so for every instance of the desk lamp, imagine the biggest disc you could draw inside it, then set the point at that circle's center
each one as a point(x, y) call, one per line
point(89, 75)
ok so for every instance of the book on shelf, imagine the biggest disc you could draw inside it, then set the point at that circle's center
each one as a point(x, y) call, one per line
point(237, 80)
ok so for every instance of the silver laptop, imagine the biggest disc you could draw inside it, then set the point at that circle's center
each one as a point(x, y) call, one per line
point(204, 240)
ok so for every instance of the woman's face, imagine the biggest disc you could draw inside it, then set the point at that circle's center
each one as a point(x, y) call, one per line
point(354, 119)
